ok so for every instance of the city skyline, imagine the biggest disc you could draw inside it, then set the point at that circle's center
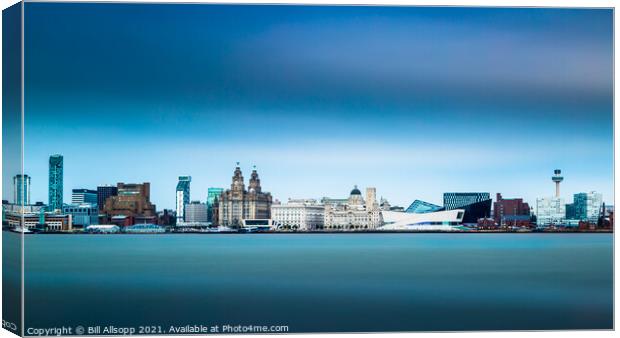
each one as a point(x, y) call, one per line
point(567, 196)
point(414, 101)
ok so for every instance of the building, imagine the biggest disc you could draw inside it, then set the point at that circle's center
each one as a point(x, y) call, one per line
point(588, 206)
point(82, 196)
point(132, 204)
point(55, 185)
point(237, 204)
point(103, 229)
point(298, 215)
point(511, 212)
point(475, 204)
point(355, 213)
point(21, 189)
point(196, 212)
point(44, 221)
point(337, 201)
point(83, 214)
point(422, 207)
point(445, 220)
point(212, 195)
point(570, 211)
point(550, 211)
point(166, 217)
point(144, 229)
point(455, 200)
point(103, 192)
point(182, 197)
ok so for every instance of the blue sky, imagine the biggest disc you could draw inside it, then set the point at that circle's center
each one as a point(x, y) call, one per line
point(414, 101)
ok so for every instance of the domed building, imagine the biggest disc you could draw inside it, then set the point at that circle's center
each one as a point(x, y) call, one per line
point(354, 214)
point(355, 198)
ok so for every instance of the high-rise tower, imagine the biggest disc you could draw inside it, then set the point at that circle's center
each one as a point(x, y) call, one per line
point(55, 182)
point(557, 178)
point(21, 192)
point(182, 195)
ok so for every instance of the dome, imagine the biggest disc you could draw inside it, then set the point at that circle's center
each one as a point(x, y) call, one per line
point(356, 191)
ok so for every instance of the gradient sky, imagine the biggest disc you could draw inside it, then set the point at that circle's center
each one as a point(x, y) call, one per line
point(414, 101)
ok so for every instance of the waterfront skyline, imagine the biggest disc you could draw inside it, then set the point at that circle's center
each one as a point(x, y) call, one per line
point(414, 101)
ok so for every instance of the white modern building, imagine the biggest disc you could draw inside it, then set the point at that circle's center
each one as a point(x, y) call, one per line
point(196, 212)
point(299, 215)
point(550, 211)
point(355, 213)
point(447, 220)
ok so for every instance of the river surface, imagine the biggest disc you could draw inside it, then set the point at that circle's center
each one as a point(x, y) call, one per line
point(322, 282)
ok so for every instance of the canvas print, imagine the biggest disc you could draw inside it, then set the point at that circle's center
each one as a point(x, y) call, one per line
point(232, 168)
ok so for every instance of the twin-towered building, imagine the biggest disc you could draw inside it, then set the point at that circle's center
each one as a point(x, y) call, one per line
point(238, 204)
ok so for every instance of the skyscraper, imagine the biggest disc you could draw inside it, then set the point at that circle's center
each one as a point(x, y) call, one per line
point(21, 189)
point(55, 182)
point(182, 195)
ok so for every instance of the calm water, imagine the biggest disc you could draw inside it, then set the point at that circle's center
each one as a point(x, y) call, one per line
point(355, 282)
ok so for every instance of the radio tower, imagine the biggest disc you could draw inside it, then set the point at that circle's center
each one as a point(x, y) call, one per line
point(557, 178)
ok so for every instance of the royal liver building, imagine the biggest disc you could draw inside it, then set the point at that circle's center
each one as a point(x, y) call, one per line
point(238, 204)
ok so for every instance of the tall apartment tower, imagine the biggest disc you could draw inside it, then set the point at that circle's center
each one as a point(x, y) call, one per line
point(55, 182)
point(21, 189)
point(182, 196)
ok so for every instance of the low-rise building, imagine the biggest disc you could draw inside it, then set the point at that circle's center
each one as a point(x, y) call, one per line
point(83, 214)
point(46, 221)
point(103, 229)
point(550, 211)
point(445, 220)
point(299, 215)
point(511, 212)
point(144, 229)
point(196, 212)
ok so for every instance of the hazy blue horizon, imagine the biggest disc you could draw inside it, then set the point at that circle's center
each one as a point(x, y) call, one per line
point(414, 101)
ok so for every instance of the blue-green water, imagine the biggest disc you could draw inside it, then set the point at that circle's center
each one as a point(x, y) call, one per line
point(323, 282)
